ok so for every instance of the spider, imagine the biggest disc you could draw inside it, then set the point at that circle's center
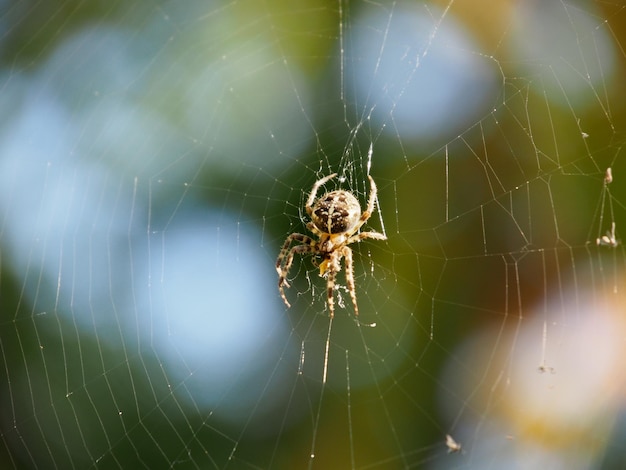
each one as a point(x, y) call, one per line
point(335, 219)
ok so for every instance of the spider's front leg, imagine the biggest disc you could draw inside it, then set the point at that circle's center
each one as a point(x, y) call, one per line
point(313, 193)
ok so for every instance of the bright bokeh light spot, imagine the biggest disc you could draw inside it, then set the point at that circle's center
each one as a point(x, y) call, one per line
point(212, 313)
point(561, 387)
point(64, 213)
point(78, 163)
point(564, 46)
point(420, 73)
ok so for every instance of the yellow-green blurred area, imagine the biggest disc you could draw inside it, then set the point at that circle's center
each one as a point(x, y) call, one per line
point(154, 157)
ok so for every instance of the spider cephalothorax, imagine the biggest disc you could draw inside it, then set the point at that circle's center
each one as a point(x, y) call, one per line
point(335, 219)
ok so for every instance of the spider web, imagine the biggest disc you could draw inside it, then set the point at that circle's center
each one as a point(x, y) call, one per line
point(154, 157)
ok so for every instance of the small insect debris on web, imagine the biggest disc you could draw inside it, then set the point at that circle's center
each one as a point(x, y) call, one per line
point(301, 364)
point(583, 134)
point(453, 446)
point(543, 368)
point(609, 239)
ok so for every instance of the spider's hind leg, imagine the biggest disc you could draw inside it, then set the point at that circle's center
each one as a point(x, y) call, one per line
point(330, 291)
point(347, 253)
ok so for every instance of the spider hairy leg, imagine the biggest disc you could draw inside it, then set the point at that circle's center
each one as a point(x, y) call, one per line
point(372, 199)
point(313, 192)
point(347, 253)
point(363, 235)
point(330, 290)
point(285, 259)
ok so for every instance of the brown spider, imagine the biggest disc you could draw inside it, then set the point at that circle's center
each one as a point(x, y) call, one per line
point(335, 219)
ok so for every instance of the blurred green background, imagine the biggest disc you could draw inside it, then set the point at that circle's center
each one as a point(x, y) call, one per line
point(154, 157)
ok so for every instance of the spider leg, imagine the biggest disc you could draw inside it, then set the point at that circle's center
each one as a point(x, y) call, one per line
point(360, 236)
point(298, 237)
point(330, 289)
point(313, 229)
point(286, 255)
point(368, 212)
point(313, 192)
point(347, 253)
point(372, 199)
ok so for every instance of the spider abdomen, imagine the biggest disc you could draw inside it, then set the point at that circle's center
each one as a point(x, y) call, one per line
point(336, 212)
